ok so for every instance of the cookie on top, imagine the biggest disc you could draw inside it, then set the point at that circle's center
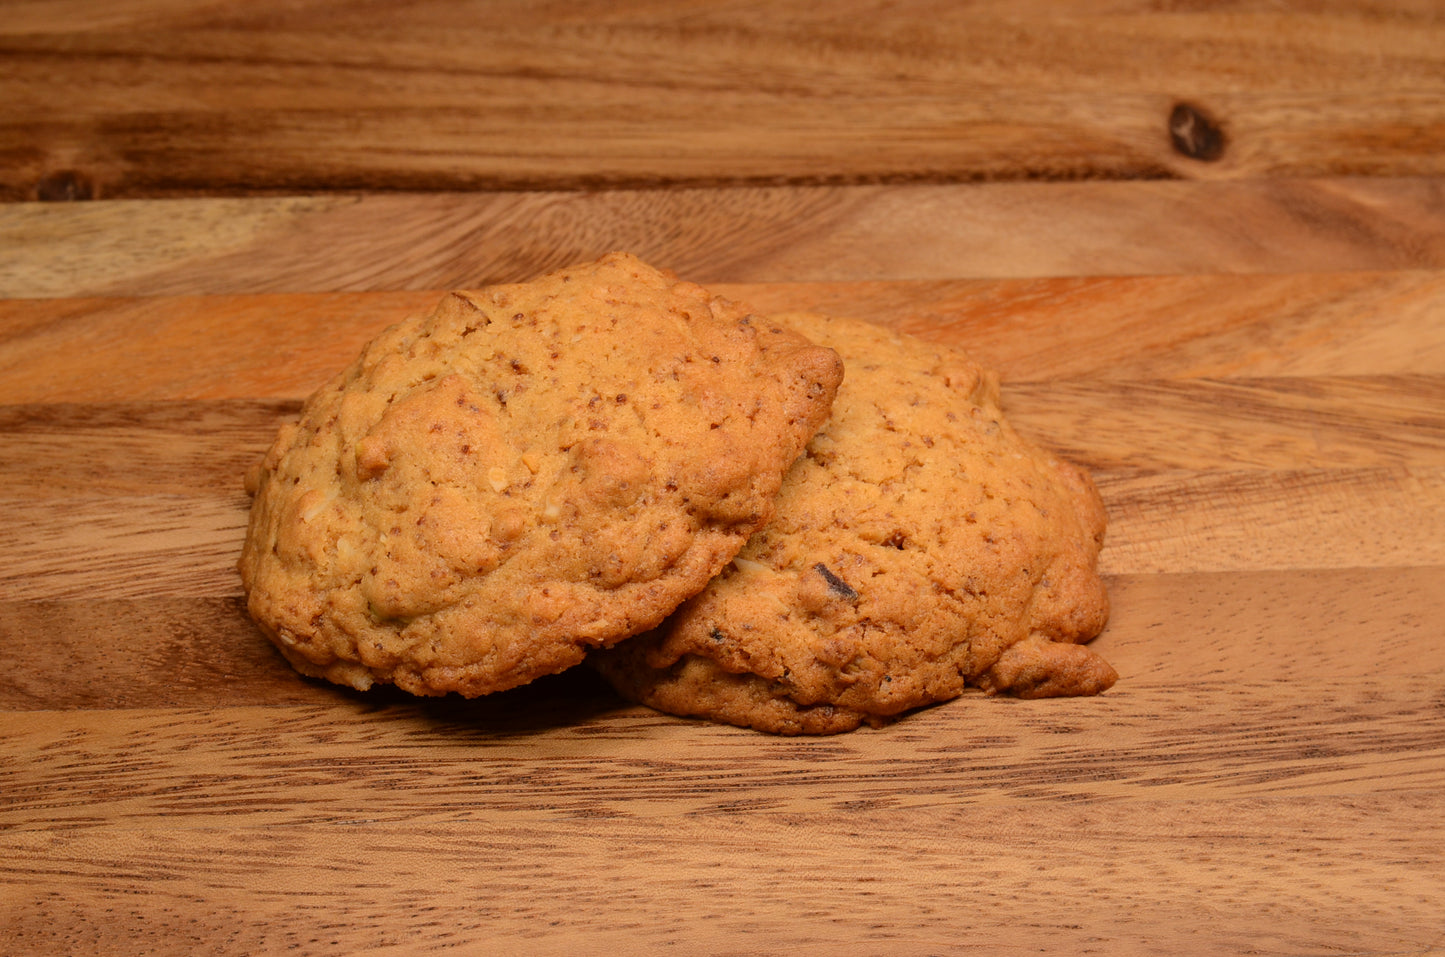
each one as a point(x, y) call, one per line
point(528, 472)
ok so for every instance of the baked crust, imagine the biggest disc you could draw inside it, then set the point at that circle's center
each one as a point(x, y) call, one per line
point(920, 546)
point(529, 471)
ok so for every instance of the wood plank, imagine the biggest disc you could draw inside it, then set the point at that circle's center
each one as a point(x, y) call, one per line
point(1166, 523)
point(125, 500)
point(1131, 328)
point(1241, 738)
point(741, 235)
point(1164, 631)
point(147, 652)
point(1265, 876)
point(203, 448)
point(1239, 423)
point(131, 546)
point(344, 96)
point(136, 448)
point(1259, 520)
point(128, 500)
point(123, 546)
point(118, 350)
point(1173, 630)
point(200, 652)
point(85, 350)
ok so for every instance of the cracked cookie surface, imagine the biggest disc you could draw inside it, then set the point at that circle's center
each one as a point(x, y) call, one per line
point(529, 471)
point(920, 547)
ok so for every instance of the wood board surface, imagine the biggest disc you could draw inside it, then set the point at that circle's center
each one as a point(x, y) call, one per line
point(1247, 350)
point(1277, 740)
point(388, 242)
point(166, 98)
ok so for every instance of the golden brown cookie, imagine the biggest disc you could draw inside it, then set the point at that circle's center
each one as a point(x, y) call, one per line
point(530, 471)
point(920, 546)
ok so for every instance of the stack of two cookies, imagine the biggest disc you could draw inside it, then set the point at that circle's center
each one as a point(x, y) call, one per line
point(609, 464)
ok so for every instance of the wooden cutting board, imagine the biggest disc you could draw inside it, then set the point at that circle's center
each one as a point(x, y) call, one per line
point(1267, 775)
point(1203, 243)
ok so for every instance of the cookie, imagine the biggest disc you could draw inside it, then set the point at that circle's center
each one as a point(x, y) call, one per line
point(920, 547)
point(530, 471)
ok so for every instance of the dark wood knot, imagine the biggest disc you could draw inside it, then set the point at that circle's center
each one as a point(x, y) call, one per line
point(1195, 133)
point(64, 186)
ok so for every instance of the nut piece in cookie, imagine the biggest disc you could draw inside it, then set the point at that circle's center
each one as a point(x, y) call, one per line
point(920, 546)
point(530, 471)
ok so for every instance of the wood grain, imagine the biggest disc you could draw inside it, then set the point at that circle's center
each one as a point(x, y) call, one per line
point(1362, 323)
point(1272, 452)
point(1207, 628)
point(975, 879)
point(129, 546)
point(355, 96)
point(1225, 740)
point(742, 235)
point(1204, 244)
point(202, 447)
point(124, 501)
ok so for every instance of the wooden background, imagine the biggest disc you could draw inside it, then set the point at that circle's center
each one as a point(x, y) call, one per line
point(1204, 243)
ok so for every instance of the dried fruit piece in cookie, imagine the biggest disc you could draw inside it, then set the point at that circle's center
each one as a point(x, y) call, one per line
point(530, 471)
point(920, 546)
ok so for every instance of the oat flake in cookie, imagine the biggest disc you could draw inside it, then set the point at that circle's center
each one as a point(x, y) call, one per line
point(528, 472)
point(920, 547)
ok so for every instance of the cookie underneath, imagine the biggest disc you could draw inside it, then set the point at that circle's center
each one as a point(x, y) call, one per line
point(920, 547)
point(530, 471)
